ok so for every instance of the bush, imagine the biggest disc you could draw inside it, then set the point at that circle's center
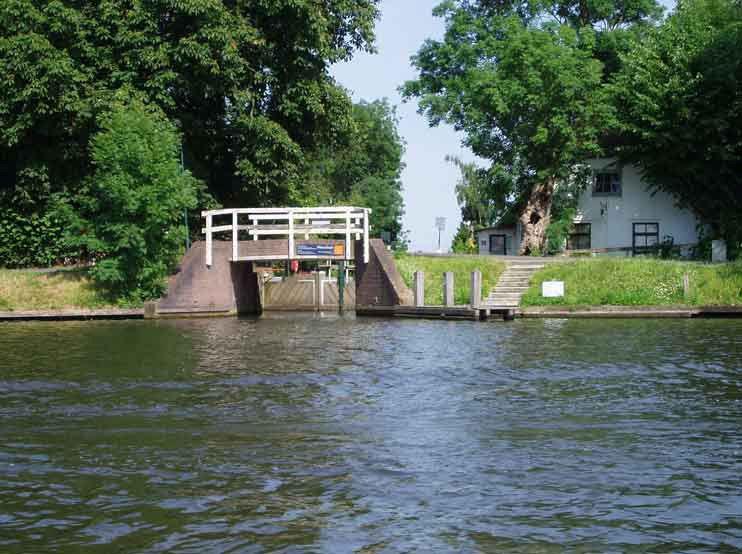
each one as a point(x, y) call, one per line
point(465, 241)
point(131, 211)
point(34, 240)
point(559, 229)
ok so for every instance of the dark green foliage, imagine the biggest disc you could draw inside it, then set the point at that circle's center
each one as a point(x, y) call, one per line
point(679, 103)
point(34, 240)
point(559, 230)
point(363, 167)
point(130, 212)
point(247, 84)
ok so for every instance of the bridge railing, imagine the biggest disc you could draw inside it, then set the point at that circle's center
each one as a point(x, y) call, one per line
point(345, 221)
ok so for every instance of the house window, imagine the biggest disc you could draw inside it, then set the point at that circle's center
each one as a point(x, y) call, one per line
point(579, 238)
point(646, 237)
point(607, 183)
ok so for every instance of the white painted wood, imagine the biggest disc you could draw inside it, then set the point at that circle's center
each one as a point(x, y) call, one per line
point(208, 240)
point(336, 220)
point(284, 211)
point(347, 235)
point(235, 237)
point(299, 229)
point(218, 228)
point(365, 236)
point(291, 234)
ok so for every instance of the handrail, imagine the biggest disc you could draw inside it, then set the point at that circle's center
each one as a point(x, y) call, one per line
point(349, 221)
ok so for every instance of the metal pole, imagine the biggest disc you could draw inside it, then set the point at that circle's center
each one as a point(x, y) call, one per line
point(185, 210)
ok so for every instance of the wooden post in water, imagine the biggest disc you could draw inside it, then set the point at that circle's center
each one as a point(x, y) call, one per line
point(419, 289)
point(686, 286)
point(475, 294)
point(318, 291)
point(448, 294)
point(341, 286)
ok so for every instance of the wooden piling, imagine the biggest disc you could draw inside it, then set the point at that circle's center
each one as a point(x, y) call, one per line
point(318, 292)
point(475, 293)
point(448, 291)
point(419, 289)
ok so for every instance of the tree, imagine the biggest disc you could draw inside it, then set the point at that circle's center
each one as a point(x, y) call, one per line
point(129, 212)
point(247, 84)
point(679, 107)
point(363, 167)
point(476, 194)
point(526, 84)
point(464, 241)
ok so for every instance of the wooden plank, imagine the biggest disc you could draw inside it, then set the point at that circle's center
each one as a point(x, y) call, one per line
point(235, 237)
point(209, 241)
point(365, 236)
point(323, 210)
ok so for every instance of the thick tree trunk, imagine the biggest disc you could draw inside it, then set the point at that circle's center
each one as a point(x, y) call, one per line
point(535, 218)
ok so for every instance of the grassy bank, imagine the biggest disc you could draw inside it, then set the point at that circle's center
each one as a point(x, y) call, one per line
point(462, 266)
point(56, 290)
point(639, 282)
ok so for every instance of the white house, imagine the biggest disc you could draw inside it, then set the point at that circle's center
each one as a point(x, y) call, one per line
point(616, 215)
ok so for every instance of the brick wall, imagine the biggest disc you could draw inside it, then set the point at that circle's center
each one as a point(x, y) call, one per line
point(379, 282)
point(225, 286)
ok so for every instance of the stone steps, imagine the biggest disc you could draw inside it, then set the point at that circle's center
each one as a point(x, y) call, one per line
point(511, 286)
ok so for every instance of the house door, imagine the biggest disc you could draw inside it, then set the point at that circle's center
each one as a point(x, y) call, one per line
point(498, 245)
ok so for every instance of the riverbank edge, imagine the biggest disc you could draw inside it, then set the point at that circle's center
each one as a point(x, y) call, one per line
point(629, 312)
point(72, 315)
point(426, 312)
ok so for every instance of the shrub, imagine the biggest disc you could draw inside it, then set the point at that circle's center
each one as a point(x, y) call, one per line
point(130, 211)
point(465, 241)
point(34, 240)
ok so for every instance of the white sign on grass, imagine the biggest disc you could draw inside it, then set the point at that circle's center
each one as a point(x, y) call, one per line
point(552, 289)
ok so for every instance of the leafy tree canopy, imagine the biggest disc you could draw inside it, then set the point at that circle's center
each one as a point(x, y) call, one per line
point(679, 107)
point(129, 212)
point(363, 167)
point(527, 93)
point(246, 83)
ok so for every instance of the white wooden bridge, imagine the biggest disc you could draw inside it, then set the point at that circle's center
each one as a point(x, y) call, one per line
point(295, 227)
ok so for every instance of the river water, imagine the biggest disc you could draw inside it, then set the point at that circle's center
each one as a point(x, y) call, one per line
point(323, 434)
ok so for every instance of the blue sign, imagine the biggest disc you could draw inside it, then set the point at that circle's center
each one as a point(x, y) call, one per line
point(315, 250)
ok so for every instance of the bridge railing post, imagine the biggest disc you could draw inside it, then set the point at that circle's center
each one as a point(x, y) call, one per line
point(208, 240)
point(235, 238)
point(365, 236)
point(347, 234)
point(291, 234)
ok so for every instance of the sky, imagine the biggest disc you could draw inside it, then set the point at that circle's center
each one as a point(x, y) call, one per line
point(428, 180)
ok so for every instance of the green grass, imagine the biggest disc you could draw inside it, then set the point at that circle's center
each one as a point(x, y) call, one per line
point(29, 290)
point(638, 282)
point(462, 266)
